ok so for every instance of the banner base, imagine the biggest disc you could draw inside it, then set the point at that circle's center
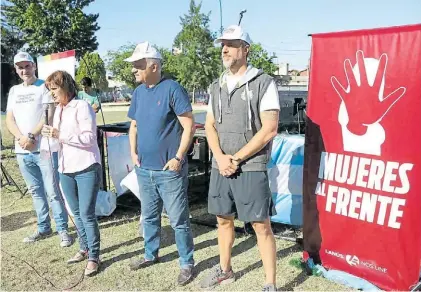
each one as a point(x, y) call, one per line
point(417, 287)
point(339, 277)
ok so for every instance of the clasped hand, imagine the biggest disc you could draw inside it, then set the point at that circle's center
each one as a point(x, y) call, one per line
point(26, 144)
point(50, 132)
point(228, 164)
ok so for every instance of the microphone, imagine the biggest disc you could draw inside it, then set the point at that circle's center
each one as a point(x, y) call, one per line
point(46, 114)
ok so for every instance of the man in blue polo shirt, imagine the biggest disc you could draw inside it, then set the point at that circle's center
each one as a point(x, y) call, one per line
point(161, 132)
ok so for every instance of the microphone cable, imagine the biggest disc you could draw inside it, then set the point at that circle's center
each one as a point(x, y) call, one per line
point(102, 113)
point(60, 195)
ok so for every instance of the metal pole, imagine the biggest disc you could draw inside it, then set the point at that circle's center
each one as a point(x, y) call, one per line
point(241, 16)
point(220, 14)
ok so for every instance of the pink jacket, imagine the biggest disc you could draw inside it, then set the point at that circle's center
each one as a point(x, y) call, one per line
point(78, 149)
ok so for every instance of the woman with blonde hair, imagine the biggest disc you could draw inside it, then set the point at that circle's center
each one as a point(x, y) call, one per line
point(74, 127)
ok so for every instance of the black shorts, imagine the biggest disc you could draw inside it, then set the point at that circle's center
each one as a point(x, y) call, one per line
point(246, 193)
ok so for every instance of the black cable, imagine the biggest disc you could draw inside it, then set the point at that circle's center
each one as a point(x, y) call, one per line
point(14, 202)
point(103, 119)
point(44, 278)
point(55, 179)
point(60, 195)
point(56, 184)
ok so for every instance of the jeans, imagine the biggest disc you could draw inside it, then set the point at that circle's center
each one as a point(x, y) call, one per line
point(169, 189)
point(41, 178)
point(81, 190)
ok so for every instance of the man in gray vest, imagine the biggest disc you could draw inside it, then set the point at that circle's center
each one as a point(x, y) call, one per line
point(241, 122)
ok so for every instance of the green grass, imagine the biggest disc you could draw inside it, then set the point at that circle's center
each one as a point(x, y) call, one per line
point(120, 243)
point(112, 117)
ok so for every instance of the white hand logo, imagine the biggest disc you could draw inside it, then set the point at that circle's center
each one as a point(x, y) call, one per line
point(363, 103)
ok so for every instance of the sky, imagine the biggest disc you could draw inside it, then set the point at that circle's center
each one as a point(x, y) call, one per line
point(280, 26)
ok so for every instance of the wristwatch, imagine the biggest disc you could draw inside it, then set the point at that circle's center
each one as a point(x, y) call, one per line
point(31, 136)
point(178, 159)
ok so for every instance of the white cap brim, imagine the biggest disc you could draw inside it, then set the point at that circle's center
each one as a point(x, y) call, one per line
point(134, 58)
point(23, 60)
point(220, 40)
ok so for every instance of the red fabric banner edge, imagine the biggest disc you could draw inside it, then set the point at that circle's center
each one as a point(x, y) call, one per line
point(358, 32)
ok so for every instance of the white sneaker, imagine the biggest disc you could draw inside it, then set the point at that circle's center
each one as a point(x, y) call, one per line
point(66, 239)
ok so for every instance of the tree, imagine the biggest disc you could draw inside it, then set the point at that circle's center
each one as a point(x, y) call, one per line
point(198, 64)
point(169, 68)
point(120, 69)
point(11, 43)
point(50, 26)
point(92, 66)
point(195, 61)
point(260, 58)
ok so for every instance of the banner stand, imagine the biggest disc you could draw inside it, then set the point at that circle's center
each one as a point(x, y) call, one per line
point(417, 287)
point(361, 188)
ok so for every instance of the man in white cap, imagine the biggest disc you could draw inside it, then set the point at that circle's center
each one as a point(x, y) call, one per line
point(161, 132)
point(25, 119)
point(241, 122)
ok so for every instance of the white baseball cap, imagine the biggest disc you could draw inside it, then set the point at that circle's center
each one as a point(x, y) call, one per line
point(234, 32)
point(22, 57)
point(142, 51)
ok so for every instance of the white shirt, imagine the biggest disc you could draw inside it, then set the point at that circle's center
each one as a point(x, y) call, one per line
point(270, 100)
point(232, 81)
point(27, 105)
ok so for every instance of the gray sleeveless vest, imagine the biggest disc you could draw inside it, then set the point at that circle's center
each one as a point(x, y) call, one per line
point(237, 116)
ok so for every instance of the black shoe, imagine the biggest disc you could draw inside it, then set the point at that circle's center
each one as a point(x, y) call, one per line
point(186, 274)
point(142, 263)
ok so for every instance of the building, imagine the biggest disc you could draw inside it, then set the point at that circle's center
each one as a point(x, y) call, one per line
point(304, 72)
point(293, 92)
point(283, 69)
point(291, 80)
point(113, 83)
point(117, 91)
point(298, 81)
point(292, 84)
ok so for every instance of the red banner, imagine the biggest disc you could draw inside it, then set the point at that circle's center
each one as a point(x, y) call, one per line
point(362, 169)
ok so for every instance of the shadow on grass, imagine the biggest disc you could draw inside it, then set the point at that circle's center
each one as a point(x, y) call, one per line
point(243, 246)
point(16, 221)
point(116, 221)
point(125, 256)
point(117, 246)
point(279, 254)
point(299, 279)
point(167, 239)
point(174, 255)
point(109, 222)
